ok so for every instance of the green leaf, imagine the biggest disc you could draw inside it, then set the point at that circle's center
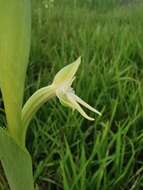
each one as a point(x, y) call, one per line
point(16, 162)
point(15, 30)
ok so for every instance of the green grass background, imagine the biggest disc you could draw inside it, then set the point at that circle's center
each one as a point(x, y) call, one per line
point(68, 151)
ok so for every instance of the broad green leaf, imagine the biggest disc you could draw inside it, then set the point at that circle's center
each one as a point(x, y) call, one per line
point(15, 29)
point(16, 162)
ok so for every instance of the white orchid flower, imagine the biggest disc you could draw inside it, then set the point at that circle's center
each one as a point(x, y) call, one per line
point(62, 84)
point(61, 87)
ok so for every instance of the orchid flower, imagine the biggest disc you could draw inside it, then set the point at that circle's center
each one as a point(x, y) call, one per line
point(62, 84)
point(61, 87)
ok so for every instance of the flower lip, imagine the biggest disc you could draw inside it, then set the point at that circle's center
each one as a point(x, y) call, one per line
point(70, 99)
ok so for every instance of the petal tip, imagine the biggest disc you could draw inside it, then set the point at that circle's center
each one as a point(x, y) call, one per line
point(77, 62)
point(91, 119)
point(99, 113)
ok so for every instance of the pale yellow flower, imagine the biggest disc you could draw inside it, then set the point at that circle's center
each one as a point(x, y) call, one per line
point(62, 85)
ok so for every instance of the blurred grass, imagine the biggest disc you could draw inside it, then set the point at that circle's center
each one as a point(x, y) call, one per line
point(69, 152)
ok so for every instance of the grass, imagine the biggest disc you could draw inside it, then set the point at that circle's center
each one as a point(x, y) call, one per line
point(69, 152)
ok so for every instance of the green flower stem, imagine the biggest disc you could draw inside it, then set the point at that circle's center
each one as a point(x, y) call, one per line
point(40, 97)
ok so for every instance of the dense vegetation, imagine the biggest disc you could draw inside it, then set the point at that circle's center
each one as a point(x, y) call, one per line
point(69, 152)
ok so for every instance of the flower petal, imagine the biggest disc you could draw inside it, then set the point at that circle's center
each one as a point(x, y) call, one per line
point(79, 109)
point(67, 73)
point(83, 103)
point(64, 100)
point(68, 100)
